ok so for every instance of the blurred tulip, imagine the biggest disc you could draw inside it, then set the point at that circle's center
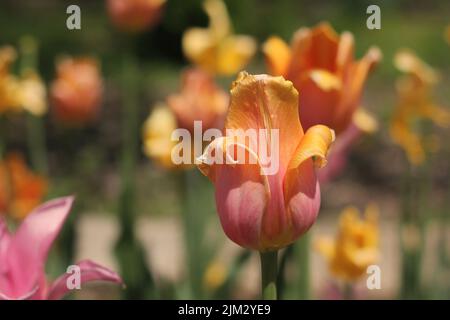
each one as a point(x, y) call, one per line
point(321, 65)
point(17, 94)
point(200, 99)
point(356, 244)
point(157, 131)
point(135, 15)
point(76, 93)
point(257, 210)
point(216, 49)
point(24, 254)
point(415, 104)
point(21, 190)
point(215, 276)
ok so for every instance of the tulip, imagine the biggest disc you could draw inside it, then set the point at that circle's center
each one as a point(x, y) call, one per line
point(76, 92)
point(23, 256)
point(216, 49)
point(355, 247)
point(321, 65)
point(415, 104)
point(21, 190)
point(259, 211)
point(135, 15)
point(199, 99)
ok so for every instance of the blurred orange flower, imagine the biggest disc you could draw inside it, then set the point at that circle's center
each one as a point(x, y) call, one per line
point(20, 189)
point(356, 244)
point(415, 104)
point(322, 67)
point(216, 49)
point(135, 15)
point(76, 93)
point(199, 99)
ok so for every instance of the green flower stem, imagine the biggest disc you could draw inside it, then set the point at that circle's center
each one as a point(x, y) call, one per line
point(35, 124)
point(129, 252)
point(269, 270)
point(302, 255)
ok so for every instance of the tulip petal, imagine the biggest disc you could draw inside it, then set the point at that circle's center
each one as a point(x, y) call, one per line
point(278, 56)
point(353, 86)
point(241, 191)
point(271, 103)
point(29, 246)
point(89, 271)
point(314, 144)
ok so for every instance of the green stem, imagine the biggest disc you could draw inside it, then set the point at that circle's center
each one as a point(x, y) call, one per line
point(302, 254)
point(269, 270)
point(35, 125)
point(281, 280)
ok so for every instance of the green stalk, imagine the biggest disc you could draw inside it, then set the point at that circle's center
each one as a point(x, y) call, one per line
point(302, 254)
point(35, 124)
point(129, 252)
point(269, 270)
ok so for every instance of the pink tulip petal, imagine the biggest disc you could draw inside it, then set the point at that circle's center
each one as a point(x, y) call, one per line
point(90, 271)
point(28, 248)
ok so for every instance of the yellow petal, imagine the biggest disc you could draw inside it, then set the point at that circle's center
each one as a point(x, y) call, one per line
point(365, 121)
point(278, 56)
point(34, 94)
point(314, 144)
point(325, 246)
point(406, 61)
point(219, 22)
point(157, 131)
point(325, 80)
point(234, 53)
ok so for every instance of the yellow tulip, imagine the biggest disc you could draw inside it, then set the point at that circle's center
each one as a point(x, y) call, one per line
point(355, 246)
point(216, 49)
point(415, 104)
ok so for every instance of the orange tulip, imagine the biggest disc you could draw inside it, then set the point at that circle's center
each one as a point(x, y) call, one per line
point(322, 67)
point(135, 15)
point(20, 189)
point(76, 92)
point(258, 209)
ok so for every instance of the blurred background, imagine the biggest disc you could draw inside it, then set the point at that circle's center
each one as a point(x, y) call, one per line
point(88, 160)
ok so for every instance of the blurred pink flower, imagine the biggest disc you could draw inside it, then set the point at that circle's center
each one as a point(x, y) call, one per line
point(23, 256)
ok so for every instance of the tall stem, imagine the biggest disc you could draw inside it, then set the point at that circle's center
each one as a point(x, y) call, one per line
point(302, 253)
point(269, 270)
point(35, 124)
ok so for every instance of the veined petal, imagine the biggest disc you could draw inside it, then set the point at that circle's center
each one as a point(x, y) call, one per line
point(270, 103)
point(242, 192)
point(278, 56)
point(90, 271)
point(314, 144)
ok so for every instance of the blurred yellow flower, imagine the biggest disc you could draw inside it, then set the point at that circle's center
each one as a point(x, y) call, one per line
point(415, 104)
point(215, 48)
point(215, 276)
point(21, 190)
point(199, 99)
point(157, 131)
point(355, 246)
point(17, 94)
